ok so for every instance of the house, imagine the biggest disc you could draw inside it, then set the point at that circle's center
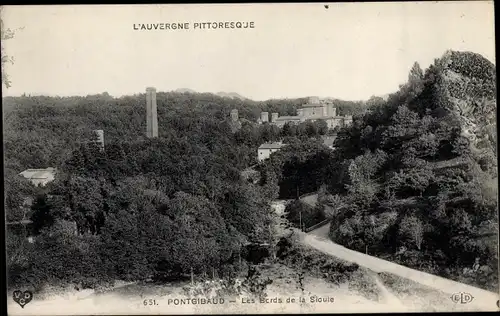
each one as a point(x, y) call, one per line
point(265, 150)
point(39, 177)
point(328, 141)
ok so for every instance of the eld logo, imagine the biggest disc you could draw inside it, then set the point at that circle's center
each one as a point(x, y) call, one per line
point(462, 298)
point(22, 298)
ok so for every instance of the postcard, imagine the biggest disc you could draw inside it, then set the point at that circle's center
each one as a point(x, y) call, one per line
point(250, 158)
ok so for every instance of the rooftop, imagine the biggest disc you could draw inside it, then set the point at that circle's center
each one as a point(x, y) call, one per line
point(313, 105)
point(21, 222)
point(271, 145)
point(321, 117)
point(312, 117)
point(282, 118)
point(38, 173)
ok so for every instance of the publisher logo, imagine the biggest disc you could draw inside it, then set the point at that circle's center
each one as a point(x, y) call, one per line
point(22, 298)
point(462, 298)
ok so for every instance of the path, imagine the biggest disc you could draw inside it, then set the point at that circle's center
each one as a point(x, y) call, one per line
point(318, 239)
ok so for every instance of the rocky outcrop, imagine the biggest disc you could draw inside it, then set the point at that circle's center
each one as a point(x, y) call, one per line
point(467, 87)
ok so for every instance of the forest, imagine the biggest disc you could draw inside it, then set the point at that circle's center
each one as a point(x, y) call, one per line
point(414, 179)
point(142, 208)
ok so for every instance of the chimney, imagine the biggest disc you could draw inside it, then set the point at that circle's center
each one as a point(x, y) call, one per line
point(151, 115)
point(100, 138)
point(274, 117)
point(234, 115)
point(264, 117)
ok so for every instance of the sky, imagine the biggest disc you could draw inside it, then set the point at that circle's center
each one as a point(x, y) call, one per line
point(349, 51)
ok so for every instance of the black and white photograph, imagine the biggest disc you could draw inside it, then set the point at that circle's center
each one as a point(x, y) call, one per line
point(285, 158)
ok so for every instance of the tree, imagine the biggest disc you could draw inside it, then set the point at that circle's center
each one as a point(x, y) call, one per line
point(416, 73)
point(411, 229)
point(123, 247)
point(203, 240)
point(42, 216)
point(374, 102)
point(436, 185)
point(6, 34)
point(17, 189)
point(300, 213)
point(332, 204)
point(86, 202)
point(289, 129)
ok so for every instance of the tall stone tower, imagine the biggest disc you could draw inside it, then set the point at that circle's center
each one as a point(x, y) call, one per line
point(264, 116)
point(274, 117)
point(333, 110)
point(151, 115)
point(325, 110)
point(234, 115)
point(100, 138)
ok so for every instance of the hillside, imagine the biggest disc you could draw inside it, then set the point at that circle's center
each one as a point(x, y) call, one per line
point(183, 189)
point(418, 178)
point(231, 95)
point(184, 90)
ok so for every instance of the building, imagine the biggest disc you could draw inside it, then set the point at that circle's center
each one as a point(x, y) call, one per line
point(235, 123)
point(328, 141)
point(151, 114)
point(264, 117)
point(39, 177)
point(100, 138)
point(265, 150)
point(234, 115)
point(315, 109)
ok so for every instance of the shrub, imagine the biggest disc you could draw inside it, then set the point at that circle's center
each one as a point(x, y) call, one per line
point(300, 212)
point(60, 257)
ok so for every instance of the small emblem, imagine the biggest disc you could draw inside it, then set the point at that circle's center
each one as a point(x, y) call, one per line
point(462, 298)
point(22, 298)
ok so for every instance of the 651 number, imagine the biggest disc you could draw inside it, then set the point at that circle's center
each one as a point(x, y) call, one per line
point(149, 302)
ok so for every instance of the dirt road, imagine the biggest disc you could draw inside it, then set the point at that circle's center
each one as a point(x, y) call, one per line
point(483, 300)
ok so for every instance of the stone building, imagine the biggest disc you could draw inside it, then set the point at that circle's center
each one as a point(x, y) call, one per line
point(100, 138)
point(235, 122)
point(315, 109)
point(234, 115)
point(264, 118)
point(39, 177)
point(274, 117)
point(265, 150)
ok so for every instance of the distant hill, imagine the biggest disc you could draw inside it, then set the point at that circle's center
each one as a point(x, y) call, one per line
point(231, 95)
point(184, 90)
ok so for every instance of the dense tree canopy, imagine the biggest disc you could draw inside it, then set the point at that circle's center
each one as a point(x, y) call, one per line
point(413, 170)
point(413, 179)
point(141, 207)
